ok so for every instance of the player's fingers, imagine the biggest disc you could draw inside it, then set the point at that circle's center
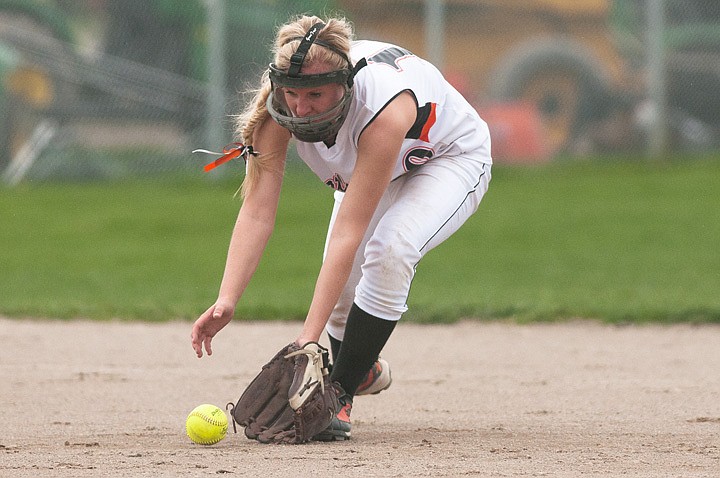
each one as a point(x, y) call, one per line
point(208, 345)
point(196, 342)
point(197, 347)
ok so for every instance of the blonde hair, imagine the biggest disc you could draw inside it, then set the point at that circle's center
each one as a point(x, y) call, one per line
point(337, 33)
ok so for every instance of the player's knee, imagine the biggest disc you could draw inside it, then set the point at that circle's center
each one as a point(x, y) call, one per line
point(391, 258)
point(388, 271)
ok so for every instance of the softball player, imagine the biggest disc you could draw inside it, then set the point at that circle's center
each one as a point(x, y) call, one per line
point(409, 160)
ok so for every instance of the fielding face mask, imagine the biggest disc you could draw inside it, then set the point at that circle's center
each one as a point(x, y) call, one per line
point(318, 127)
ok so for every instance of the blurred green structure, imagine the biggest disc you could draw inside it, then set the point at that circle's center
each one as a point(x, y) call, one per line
point(580, 64)
point(143, 59)
point(691, 62)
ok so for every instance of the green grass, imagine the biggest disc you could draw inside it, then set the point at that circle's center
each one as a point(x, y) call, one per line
point(620, 241)
point(617, 241)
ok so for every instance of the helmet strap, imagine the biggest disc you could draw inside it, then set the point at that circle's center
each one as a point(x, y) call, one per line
point(297, 58)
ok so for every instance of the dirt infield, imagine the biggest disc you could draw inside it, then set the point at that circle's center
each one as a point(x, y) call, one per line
point(86, 399)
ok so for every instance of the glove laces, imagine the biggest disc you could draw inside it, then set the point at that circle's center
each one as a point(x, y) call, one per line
point(317, 362)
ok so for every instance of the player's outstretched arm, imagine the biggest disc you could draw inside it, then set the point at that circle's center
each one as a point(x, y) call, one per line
point(253, 227)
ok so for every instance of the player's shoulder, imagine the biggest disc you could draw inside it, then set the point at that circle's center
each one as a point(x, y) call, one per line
point(370, 48)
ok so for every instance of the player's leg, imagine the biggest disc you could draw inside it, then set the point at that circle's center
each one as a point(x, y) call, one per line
point(432, 203)
point(427, 206)
point(340, 428)
point(338, 317)
point(378, 378)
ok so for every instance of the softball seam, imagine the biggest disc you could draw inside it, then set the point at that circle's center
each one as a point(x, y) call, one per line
point(210, 420)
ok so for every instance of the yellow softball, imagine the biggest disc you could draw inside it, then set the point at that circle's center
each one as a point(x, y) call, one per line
point(206, 424)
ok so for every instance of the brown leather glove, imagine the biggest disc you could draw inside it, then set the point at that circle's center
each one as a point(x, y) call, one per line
point(291, 400)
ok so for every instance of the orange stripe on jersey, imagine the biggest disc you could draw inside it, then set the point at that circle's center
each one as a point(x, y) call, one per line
point(428, 124)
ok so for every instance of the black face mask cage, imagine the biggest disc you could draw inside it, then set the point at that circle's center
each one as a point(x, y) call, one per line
point(310, 129)
point(317, 127)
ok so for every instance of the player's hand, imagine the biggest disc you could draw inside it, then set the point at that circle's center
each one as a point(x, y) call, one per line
point(209, 324)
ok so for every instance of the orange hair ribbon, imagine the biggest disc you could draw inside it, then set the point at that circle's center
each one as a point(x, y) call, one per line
point(229, 152)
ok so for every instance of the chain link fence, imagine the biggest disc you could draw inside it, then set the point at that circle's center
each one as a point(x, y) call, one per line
point(112, 89)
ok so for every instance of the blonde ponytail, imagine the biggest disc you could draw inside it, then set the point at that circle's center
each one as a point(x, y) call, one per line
point(246, 123)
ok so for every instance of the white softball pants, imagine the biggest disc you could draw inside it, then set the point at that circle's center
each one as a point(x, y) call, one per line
point(419, 210)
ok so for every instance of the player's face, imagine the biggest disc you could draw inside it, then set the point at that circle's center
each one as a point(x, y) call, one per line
point(313, 101)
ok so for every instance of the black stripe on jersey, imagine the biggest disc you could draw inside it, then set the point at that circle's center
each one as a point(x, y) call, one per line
point(423, 113)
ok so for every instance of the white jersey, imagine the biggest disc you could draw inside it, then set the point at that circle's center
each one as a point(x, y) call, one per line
point(446, 125)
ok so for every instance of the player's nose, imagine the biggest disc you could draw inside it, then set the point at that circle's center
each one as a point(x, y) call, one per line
point(303, 107)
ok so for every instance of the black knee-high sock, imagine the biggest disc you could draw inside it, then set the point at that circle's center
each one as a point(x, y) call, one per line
point(334, 347)
point(365, 337)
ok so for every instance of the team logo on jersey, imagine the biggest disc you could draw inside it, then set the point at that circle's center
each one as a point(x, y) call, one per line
point(337, 183)
point(416, 157)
